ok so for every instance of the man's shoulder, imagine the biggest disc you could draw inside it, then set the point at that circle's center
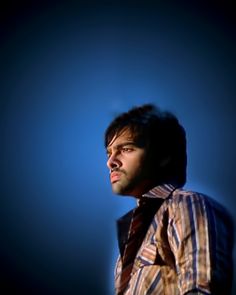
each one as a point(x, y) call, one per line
point(193, 198)
point(182, 194)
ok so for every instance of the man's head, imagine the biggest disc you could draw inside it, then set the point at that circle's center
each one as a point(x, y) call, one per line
point(145, 147)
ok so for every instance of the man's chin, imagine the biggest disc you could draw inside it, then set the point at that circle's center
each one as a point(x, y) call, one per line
point(122, 191)
point(119, 192)
point(118, 189)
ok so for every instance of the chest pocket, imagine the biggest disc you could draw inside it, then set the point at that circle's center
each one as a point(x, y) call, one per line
point(153, 254)
point(152, 273)
point(147, 255)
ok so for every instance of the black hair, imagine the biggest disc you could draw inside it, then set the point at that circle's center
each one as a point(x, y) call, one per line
point(162, 135)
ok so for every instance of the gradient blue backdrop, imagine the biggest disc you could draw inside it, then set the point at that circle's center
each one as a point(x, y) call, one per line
point(67, 69)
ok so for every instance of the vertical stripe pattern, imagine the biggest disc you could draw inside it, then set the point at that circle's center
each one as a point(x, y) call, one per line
point(179, 244)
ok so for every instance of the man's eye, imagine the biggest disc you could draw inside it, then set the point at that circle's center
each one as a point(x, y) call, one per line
point(126, 149)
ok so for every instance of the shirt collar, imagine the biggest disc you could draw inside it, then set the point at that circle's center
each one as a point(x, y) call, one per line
point(161, 191)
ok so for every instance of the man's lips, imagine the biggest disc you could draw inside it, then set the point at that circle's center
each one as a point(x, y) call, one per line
point(115, 176)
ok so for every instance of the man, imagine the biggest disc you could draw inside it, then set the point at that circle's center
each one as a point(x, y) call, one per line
point(175, 241)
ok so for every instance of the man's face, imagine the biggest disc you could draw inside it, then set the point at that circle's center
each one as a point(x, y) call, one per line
point(126, 162)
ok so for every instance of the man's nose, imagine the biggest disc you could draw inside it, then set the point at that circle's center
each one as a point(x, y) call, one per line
point(113, 162)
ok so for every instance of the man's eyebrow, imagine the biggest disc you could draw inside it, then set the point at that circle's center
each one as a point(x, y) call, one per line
point(125, 143)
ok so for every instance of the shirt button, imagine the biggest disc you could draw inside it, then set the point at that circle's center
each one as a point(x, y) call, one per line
point(138, 263)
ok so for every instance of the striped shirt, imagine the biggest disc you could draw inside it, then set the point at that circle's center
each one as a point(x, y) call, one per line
point(172, 243)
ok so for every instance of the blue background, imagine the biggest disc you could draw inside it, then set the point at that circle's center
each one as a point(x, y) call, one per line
point(67, 68)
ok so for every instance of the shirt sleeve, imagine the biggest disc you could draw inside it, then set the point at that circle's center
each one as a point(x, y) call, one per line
point(199, 239)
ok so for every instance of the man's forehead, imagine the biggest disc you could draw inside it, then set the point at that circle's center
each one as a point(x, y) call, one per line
point(124, 135)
